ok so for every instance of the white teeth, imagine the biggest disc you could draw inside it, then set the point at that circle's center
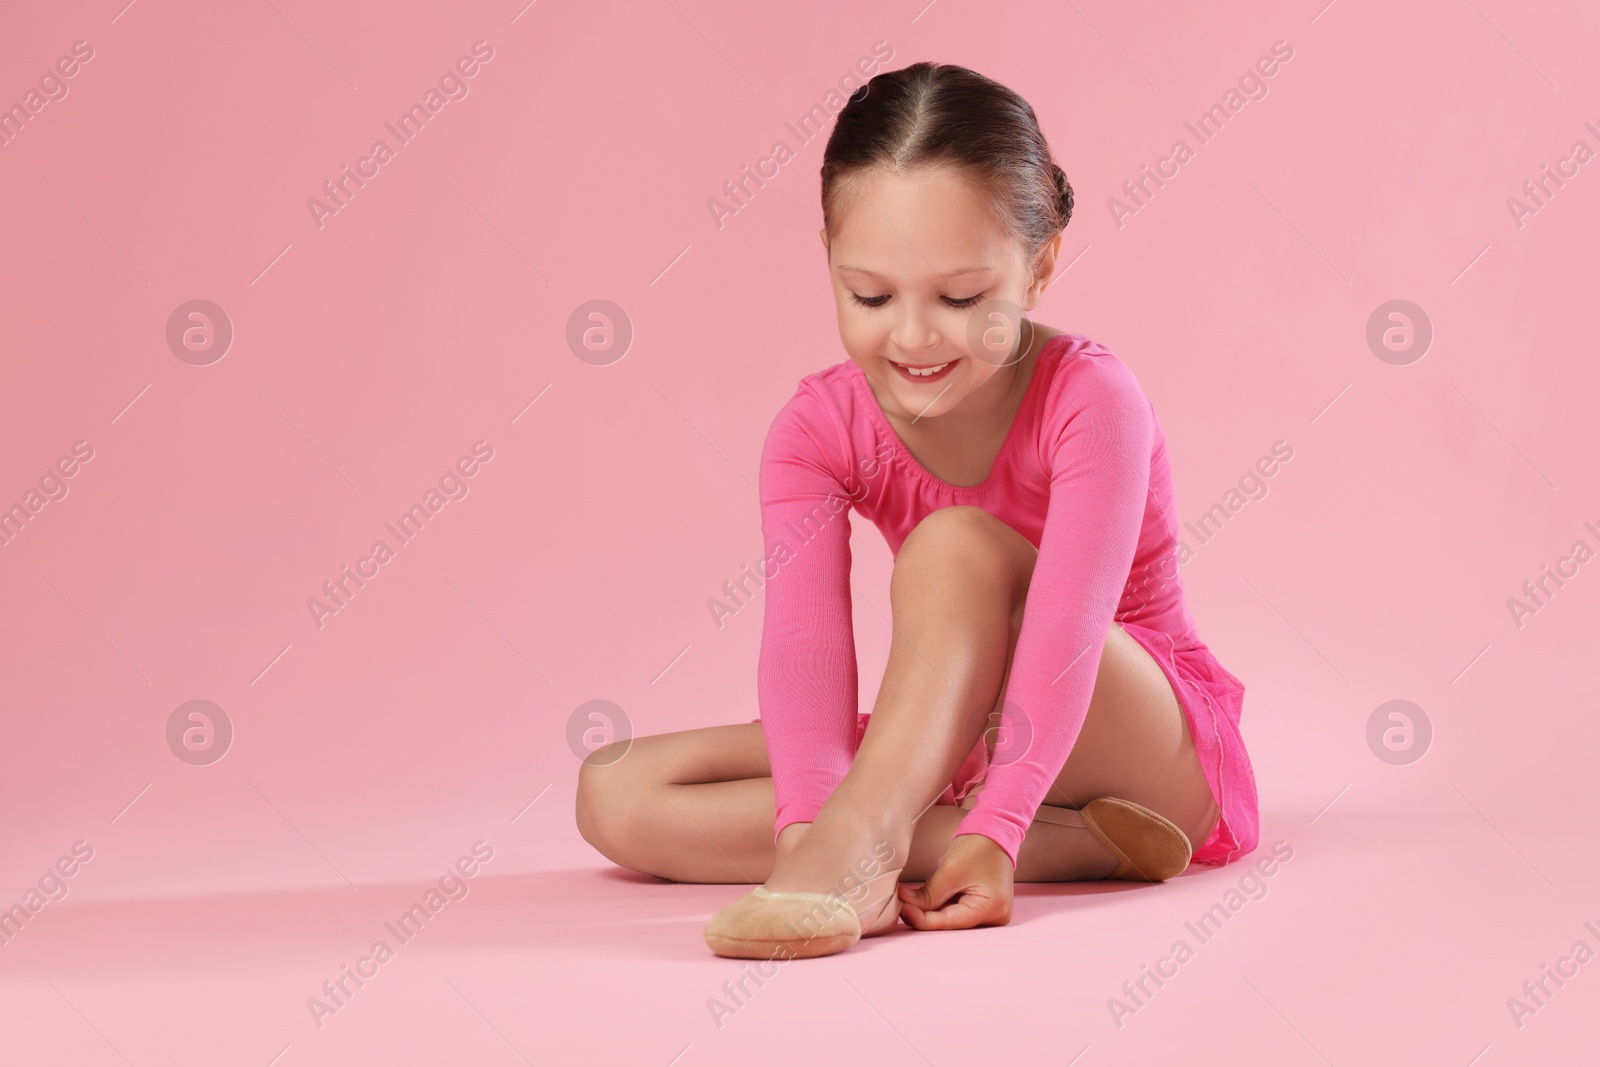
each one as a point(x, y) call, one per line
point(925, 372)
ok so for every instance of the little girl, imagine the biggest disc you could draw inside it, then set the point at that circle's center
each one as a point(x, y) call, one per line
point(1048, 711)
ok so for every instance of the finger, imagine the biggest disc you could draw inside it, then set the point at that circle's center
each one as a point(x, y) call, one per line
point(916, 901)
point(936, 891)
point(913, 896)
point(978, 905)
point(957, 915)
point(922, 897)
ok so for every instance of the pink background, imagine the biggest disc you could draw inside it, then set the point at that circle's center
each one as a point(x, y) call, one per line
point(432, 309)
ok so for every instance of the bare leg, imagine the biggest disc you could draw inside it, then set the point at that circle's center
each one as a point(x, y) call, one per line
point(1135, 744)
point(956, 585)
point(697, 805)
point(656, 811)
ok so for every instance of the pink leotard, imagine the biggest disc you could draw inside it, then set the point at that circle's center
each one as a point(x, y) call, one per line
point(1084, 475)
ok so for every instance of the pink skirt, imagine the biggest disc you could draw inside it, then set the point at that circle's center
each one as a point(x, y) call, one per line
point(1212, 701)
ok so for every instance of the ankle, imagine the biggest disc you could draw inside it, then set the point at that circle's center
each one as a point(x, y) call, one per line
point(838, 856)
point(865, 831)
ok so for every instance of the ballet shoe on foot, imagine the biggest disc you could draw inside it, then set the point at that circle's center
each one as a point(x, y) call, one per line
point(765, 924)
point(1150, 847)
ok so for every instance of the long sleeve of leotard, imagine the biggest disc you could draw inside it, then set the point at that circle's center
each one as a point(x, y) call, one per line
point(1096, 444)
point(806, 681)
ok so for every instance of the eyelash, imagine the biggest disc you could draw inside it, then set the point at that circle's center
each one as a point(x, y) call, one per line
point(877, 301)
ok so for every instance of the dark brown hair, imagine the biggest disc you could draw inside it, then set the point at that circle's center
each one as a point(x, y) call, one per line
point(933, 114)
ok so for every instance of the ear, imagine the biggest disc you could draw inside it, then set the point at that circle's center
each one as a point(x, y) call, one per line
point(823, 233)
point(1044, 268)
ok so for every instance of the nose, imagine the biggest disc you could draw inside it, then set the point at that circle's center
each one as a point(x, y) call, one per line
point(913, 334)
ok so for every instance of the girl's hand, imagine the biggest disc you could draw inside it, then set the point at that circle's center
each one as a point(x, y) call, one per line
point(970, 887)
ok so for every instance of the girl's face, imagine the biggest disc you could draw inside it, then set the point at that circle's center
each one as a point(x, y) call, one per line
point(927, 280)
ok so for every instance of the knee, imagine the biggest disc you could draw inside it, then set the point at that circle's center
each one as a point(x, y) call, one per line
point(965, 542)
point(606, 801)
point(948, 531)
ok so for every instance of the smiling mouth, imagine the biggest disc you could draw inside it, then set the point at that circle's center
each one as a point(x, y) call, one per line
point(926, 372)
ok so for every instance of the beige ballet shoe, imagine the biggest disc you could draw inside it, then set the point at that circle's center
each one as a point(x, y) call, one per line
point(764, 925)
point(1151, 848)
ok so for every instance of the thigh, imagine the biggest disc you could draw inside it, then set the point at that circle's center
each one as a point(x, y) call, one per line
point(689, 757)
point(688, 806)
point(1135, 744)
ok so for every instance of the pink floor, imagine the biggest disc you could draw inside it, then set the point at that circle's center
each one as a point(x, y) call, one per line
point(1383, 938)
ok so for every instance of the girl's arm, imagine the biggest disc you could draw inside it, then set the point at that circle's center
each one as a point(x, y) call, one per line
point(806, 676)
point(1100, 435)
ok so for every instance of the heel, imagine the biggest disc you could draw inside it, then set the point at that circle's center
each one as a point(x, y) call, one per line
point(879, 910)
point(1150, 847)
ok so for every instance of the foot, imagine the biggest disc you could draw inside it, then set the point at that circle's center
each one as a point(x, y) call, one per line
point(837, 852)
point(850, 858)
point(834, 887)
point(1151, 847)
point(765, 924)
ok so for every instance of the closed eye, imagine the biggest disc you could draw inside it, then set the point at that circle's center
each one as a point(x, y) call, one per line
point(878, 301)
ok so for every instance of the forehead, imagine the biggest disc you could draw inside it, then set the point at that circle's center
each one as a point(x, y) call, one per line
point(916, 224)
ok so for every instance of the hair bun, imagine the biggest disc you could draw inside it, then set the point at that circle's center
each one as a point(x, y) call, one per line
point(1064, 188)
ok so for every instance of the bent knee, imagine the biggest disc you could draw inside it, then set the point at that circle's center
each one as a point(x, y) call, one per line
point(956, 520)
point(984, 547)
point(961, 529)
point(606, 798)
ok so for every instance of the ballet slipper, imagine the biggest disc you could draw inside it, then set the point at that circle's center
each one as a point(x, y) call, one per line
point(1150, 847)
point(765, 924)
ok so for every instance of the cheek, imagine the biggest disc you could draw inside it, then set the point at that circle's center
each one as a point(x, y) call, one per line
point(861, 338)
